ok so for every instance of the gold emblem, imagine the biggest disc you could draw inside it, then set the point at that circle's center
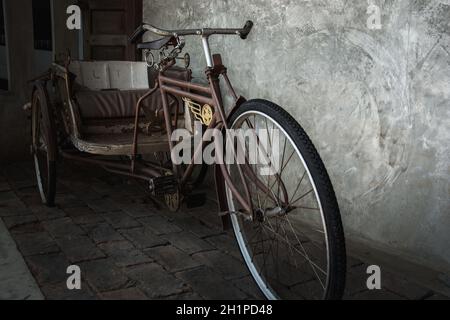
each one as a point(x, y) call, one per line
point(204, 114)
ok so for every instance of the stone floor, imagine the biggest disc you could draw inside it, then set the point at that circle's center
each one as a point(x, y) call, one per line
point(127, 248)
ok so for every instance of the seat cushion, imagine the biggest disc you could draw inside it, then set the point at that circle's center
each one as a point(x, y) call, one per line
point(113, 103)
point(101, 75)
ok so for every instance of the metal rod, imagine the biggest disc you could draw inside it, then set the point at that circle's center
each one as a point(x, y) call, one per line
point(207, 51)
point(189, 95)
point(215, 89)
point(230, 87)
point(185, 84)
point(167, 118)
point(136, 125)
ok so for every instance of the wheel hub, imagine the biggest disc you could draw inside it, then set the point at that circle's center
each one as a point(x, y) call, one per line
point(261, 215)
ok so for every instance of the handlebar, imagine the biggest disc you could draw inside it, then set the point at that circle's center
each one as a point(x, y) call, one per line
point(205, 32)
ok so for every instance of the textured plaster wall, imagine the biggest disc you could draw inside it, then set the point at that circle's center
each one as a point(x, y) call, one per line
point(374, 102)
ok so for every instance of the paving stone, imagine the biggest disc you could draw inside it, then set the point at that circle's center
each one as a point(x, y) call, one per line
point(438, 296)
point(27, 228)
point(103, 205)
point(7, 196)
point(101, 233)
point(356, 280)
point(159, 225)
point(193, 225)
point(353, 262)
point(102, 188)
point(155, 281)
point(120, 220)
point(31, 200)
point(124, 294)
point(188, 242)
point(403, 287)
point(63, 228)
point(184, 296)
point(60, 292)
point(172, 259)
point(225, 243)
point(103, 275)
point(89, 219)
point(65, 201)
point(376, 295)
point(88, 195)
point(124, 253)
point(48, 268)
point(225, 264)
point(193, 232)
point(249, 286)
point(35, 243)
point(80, 248)
point(17, 209)
point(23, 184)
point(28, 190)
point(16, 221)
point(143, 238)
point(79, 211)
point(44, 213)
point(310, 290)
point(210, 285)
point(208, 214)
point(138, 210)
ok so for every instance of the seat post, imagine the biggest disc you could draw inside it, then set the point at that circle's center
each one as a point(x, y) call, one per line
point(207, 51)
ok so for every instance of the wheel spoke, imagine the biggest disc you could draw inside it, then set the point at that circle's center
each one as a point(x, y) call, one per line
point(284, 244)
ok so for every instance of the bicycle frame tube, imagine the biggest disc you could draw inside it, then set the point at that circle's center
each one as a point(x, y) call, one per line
point(210, 95)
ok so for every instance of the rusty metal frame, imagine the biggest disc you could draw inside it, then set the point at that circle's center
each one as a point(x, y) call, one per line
point(207, 94)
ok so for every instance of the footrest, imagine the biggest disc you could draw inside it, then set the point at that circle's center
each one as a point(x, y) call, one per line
point(163, 185)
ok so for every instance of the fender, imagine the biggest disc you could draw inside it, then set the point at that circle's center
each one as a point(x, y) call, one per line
point(220, 181)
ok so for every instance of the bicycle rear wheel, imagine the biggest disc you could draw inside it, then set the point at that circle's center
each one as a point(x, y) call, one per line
point(293, 244)
point(44, 145)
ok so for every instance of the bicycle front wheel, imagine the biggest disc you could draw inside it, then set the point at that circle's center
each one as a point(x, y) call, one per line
point(293, 244)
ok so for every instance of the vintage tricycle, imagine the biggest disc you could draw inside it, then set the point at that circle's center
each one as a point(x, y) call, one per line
point(121, 116)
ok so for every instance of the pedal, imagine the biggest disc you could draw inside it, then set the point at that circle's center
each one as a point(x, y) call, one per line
point(195, 200)
point(161, 186)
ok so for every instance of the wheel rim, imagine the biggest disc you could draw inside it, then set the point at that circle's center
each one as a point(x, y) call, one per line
point(280, 276)
point(40, 150)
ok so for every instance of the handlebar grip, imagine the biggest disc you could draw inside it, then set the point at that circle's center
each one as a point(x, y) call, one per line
point(139, 32)
point(246, 30)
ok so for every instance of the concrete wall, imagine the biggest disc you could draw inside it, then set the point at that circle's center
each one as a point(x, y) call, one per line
point(24, 64)
point(374, 102)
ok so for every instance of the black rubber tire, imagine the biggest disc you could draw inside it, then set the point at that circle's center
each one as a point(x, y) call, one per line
point(42, 115)
point(336, 240)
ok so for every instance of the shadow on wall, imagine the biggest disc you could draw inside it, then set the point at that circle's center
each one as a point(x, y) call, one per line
point(374, 101)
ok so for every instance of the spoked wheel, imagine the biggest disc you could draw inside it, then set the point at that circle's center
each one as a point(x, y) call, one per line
point(293, 244)
point(44, 145)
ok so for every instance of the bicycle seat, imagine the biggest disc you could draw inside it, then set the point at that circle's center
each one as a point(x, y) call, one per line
point(156, 44)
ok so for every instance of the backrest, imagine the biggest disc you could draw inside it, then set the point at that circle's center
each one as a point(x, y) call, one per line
point(111, 89)
point(104, 75)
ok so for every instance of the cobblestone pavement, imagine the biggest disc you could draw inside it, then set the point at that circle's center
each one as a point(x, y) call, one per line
point(127, 248)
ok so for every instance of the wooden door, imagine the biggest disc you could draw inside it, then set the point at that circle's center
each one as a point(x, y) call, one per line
point(107, 25)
